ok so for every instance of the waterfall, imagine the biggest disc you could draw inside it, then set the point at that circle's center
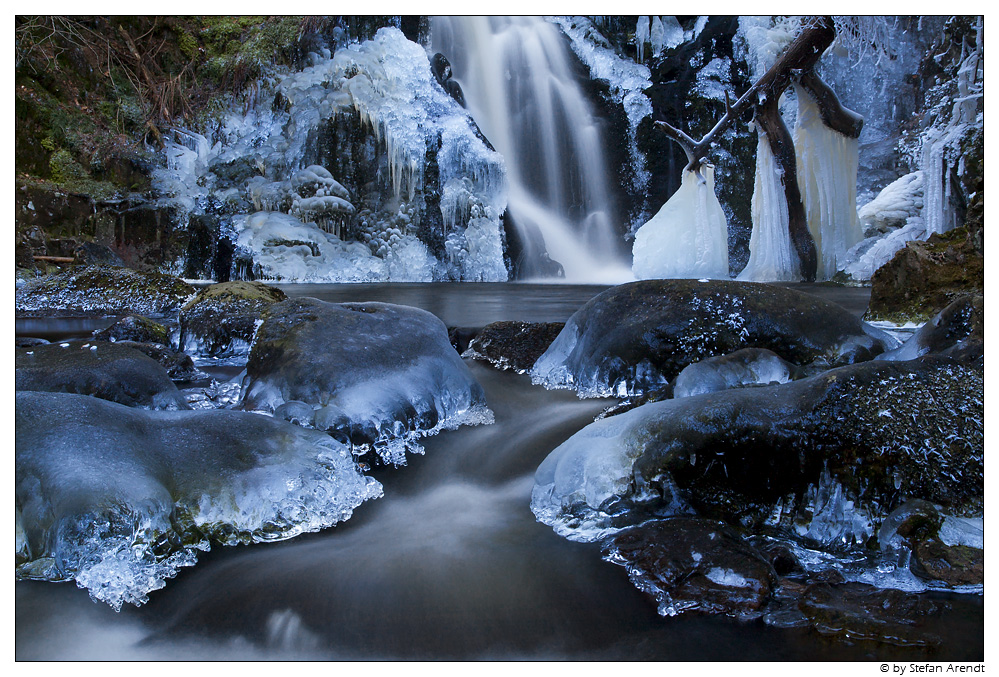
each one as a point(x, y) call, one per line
point(517, 78)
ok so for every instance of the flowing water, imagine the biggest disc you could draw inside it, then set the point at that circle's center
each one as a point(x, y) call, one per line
point(521, 88)
point(450, 563)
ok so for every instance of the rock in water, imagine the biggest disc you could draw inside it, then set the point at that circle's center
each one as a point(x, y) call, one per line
point(108, 371)
point(513, 345)
point(957, 331)
point(693, 564)
point(223, 318)
point(103, 290)
point(119, 499)
point(135, 328)
point(380, 375)
point(638, 336)
point(826, 458)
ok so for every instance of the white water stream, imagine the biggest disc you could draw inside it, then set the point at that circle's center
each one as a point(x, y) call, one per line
point(517, 77)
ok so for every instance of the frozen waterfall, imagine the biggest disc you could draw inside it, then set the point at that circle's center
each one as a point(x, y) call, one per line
point(517, 77)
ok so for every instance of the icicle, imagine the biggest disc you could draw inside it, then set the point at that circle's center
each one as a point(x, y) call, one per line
point(827, 163)
point(771, 256)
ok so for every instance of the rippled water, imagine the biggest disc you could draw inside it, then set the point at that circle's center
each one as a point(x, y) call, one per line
point(449, 564)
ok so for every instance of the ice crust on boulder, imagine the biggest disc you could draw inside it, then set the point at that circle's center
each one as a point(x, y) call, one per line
point(737, 454)
point(118, 499)
point(379, 375)
point(636, 337)
point(743, 367)
point(688, 237)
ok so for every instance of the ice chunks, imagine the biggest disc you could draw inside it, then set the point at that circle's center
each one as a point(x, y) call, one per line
point(119, 498)
point(381, 375)
point(743, 367)
point(109, 371)
point(638, 336)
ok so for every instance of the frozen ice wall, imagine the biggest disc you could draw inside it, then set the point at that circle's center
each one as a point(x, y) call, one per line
point(322, 227)
point(688, 237)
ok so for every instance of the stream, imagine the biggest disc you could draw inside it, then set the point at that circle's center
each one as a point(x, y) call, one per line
point(450, 563)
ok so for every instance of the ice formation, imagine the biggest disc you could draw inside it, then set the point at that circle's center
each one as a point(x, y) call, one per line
point(827, 174)
point(897, 202)
point(771, 255)
point(743, 367)
point(688, 237)
point(118, 499)
point(361, 232)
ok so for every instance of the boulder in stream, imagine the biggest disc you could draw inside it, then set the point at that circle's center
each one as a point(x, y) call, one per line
point(109, 371)
point(118, 499)
point(378, 374)
point(223, 318)
point(638, 336)
point(103, 290)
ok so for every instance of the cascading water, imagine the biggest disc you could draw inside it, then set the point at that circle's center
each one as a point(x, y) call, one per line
point(519, 84)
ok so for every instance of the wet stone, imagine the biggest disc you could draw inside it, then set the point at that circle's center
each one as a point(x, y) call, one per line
point(223, 318)
point(107, 371)
point(513, 345)
point(693, 564)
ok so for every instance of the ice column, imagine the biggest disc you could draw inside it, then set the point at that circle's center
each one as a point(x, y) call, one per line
point(688, 238)
point(827, 164)
point(771, 256)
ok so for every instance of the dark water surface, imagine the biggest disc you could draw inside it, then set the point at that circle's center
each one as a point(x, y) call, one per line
point(449, 564)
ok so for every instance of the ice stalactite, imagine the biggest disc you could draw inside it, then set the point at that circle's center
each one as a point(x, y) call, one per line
point(688, 237)
point(827, 173)
point(771, 255)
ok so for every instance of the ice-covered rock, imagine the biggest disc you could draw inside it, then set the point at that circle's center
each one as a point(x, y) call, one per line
point(118, 499)
point(222, 318)
point(108, 371)
point(638, 336)
point(688, 237)
point(743, 367)
point(380, 375)
point(811, 457)
point(897, 202)
point(104, 290)
point(957, 331)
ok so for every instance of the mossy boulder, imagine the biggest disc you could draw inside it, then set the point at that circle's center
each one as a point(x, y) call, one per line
point(925, 277)
point(223, 318)
point(107, 371)
point(637, 337)
point(102, 290)
point(513, 345)
point(134, 328)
